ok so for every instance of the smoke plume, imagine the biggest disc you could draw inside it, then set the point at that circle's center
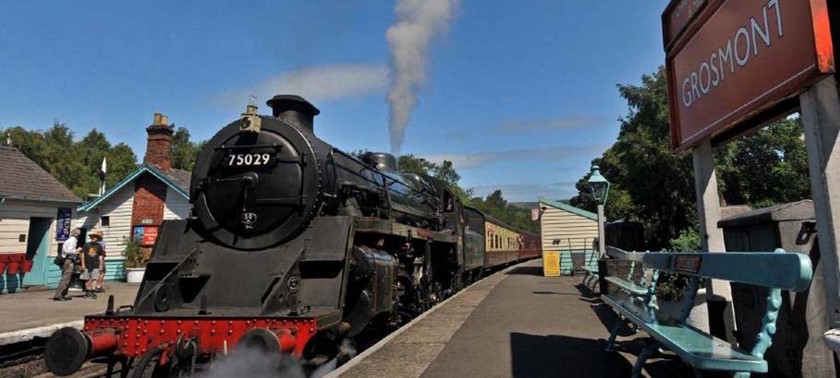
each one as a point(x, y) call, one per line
point(417, 22)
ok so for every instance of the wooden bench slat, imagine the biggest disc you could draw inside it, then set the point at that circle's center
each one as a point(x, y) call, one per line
point(788, 271)
point(695, 347)
point(627, 285)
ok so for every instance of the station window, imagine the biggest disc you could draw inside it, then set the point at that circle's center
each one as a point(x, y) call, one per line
point(105, 221)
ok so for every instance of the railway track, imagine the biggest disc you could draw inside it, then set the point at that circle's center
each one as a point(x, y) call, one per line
point(26, 360)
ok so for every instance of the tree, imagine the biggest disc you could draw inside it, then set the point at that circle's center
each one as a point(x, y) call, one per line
point(182, 151)
point(650, 183)
point(444, 172)
point(495, 205)
point(74, 163)
point(654, 185)
point(121, 162)
point(767, 167)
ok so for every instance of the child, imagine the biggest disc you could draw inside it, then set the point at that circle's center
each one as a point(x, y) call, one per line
point(92, 261)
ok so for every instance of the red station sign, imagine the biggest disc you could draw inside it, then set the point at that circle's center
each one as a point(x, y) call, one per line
point(730, 60)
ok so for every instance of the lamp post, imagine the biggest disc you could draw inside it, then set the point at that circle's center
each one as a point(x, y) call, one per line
point(600, 191)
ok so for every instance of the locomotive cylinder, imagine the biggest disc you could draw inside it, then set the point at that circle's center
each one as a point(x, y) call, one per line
point(373, 271)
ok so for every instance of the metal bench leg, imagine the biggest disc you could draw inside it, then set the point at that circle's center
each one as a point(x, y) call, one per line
point(741, 374)
point(648, 351)
point(613, 334)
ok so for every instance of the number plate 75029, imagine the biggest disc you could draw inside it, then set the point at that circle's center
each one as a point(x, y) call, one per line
point(247, 159)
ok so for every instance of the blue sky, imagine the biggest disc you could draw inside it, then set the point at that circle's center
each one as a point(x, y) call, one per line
point(520, 95)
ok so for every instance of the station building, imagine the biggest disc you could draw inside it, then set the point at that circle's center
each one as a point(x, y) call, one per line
point(136, 206)
point(36, 212)
point(567, 229)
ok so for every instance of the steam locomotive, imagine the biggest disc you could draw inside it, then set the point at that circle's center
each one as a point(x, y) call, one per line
point(292, 246)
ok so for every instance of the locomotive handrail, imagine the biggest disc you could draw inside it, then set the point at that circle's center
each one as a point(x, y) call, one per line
point(248, 147)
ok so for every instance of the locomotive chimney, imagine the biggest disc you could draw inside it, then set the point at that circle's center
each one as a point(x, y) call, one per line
point(158, 143)
point(295, 110)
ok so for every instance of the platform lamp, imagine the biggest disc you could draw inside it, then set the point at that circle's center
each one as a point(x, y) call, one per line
point(600, 191)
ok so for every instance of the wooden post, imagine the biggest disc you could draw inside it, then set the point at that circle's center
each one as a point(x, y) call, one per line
point(711, 237)
point(820, 110)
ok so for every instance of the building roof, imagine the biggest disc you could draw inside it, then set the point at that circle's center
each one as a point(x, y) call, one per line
point(181, 178)
point(23, 179)
point(178, 180)
point(569, 208)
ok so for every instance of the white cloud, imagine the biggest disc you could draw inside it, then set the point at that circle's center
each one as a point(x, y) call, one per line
point(320, 84)
point(472, 160)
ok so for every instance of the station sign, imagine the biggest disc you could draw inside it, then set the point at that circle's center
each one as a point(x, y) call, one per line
point(146, 235)
point(63, 222)
point(728, 61)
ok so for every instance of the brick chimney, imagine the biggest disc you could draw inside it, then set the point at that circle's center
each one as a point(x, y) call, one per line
point(158, 143)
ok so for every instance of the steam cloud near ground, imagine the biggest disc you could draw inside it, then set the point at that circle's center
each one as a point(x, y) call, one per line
point(417, 22)
point(257, 363)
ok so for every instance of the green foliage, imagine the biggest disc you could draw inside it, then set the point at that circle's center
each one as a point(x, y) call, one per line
point(671, 286)
point(183, 151)
point(444, 172)
point(495, 205)
point(134, 257)
point(74, 163)
point(688, 241)
point(655, 186)
point(765, 168)
point(650, 183)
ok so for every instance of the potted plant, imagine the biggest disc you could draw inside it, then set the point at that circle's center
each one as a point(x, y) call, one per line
point(135, 261)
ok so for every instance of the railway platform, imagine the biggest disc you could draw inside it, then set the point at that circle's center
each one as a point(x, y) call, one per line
point(514, 323)
point(32, 312)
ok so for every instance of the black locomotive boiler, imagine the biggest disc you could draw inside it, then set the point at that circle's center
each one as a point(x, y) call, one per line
point(292, 245)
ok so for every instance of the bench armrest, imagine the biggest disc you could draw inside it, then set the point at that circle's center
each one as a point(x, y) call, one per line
point(768, 323)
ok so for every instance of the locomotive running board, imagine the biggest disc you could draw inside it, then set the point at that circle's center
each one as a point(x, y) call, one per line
point(384, 226)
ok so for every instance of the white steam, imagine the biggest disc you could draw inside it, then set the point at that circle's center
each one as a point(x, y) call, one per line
point(254, 362)
point(418, 21)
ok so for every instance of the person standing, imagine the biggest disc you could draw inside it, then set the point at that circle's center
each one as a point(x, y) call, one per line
point(101, 278)
point(70, 254)
point(92, 261)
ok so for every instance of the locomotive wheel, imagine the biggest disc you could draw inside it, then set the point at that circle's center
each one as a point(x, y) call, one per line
point(148, 366)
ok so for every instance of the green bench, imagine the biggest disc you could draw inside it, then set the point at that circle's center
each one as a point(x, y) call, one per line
point(590, 273)
point(593, 273)
point(636, 303)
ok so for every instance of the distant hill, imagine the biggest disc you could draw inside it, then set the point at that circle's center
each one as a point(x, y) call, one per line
point(523, 205)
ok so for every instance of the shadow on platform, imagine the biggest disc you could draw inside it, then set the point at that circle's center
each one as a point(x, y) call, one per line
point(588, 292)
point(558, 356)
point(565, 356)
point(527, 270)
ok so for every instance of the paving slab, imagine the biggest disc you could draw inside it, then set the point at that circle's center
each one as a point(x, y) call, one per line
point(33, 308)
